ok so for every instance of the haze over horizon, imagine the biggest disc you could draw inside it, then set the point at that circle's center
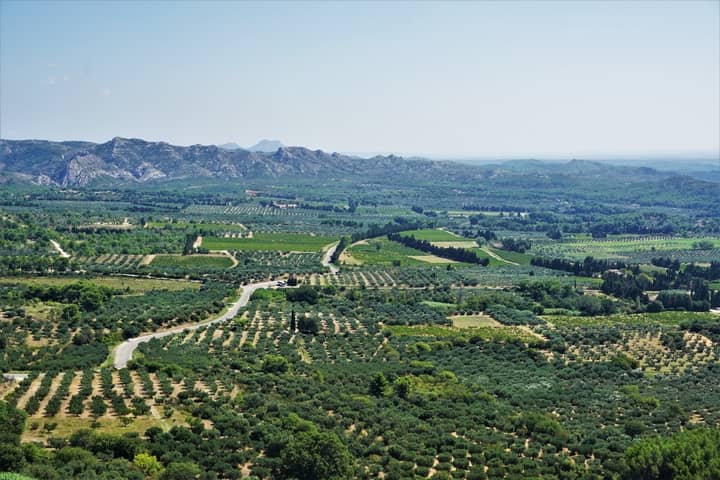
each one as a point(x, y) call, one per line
point(519, 79)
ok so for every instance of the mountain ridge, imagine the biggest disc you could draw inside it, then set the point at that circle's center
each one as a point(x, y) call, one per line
point(77, 163)
point(80, 163)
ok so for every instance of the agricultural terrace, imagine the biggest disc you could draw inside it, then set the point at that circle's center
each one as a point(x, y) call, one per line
point(285, 242)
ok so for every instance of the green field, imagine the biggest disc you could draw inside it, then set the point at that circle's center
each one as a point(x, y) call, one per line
point(192, 261)
point(381, 251)
point(519, 258)
point(286, 242)
point(439, 305)
point(132, 284)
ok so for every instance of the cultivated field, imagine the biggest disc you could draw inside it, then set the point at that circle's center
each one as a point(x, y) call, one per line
point(286, 242)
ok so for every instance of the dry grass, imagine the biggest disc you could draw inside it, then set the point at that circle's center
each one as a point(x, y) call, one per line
point(66, 425)
point(469, 321)
point(431, 259)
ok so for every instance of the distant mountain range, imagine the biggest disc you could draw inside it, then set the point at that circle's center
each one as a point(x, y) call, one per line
point(262, 146)
point(134, 161)
point(77, 163)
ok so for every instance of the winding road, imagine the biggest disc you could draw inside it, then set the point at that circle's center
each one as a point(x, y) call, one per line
point(123, 352)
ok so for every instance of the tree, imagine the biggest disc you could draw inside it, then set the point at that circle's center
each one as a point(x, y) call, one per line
point(275, 364)
point(315, 455)
point(352, 205)
point(402, 387)
point(70, 313)
point(692, 454)
point(12, 423)
point(379, 385)
point(97, 406)
point(180, 471)
point(304, 293)
point(148, 464)
point(703, 245)
point(308, 325)
point(293, 322)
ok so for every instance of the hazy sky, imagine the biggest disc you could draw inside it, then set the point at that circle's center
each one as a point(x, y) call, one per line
point(486, 78)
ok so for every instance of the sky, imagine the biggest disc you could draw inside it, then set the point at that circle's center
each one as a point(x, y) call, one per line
point(455, 79)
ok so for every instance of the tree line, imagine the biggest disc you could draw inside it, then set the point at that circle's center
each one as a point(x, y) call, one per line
point(451, 253)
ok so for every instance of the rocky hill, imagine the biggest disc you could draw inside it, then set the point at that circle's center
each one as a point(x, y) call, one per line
point(81, 163)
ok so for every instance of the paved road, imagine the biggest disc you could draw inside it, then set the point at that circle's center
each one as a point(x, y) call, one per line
point(123, 352)
point(326, 259)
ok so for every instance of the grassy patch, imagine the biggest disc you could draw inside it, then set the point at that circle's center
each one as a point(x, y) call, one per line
point(439, 305)
point(431, 259)
point(662, 318)
point(130, 284)
point(284, 242)
point(437, 386)
point(381, 251)
point(66, 425)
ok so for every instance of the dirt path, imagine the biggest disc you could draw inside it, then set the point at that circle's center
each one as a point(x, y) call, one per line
point(231, 257)
point(147, 260)
point(59, 249)
point(497, 257)
point(30, 391)
point(51, 393)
